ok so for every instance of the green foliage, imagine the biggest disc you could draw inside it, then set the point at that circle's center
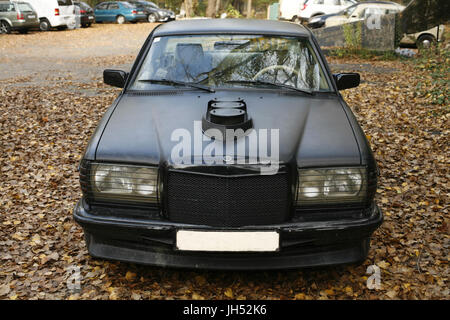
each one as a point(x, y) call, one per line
point(362, 53)
point(352, 35)
point(437, 87)
point(232, 12)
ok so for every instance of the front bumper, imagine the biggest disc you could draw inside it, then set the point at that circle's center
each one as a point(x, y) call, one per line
point(302, 244)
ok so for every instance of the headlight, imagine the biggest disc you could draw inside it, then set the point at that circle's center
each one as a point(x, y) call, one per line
point(331, 185)
point(124, 182)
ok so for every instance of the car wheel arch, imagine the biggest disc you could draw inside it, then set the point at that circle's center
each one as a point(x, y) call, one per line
point(424, 36)
point(8, 25)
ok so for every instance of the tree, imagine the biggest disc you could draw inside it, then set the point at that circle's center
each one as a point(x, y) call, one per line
point(249, 8)
point(189, 8)
point(211, 8)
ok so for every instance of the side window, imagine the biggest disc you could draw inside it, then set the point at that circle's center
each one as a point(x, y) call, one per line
point(102, 6)
point(318, 1)
point(113, 6)
point(2, 8)
point(11, 8)
point(332, 2)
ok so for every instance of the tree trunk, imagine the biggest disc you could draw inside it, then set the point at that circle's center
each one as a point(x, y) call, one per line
point(217, 6)
point(249, 8)
point(211, 9)
point(188, 8)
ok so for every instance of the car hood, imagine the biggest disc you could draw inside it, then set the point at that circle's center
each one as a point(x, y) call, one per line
point(144, 128)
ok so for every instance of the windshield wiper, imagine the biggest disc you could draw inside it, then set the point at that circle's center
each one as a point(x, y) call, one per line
point(178, 83)
point(278, 85)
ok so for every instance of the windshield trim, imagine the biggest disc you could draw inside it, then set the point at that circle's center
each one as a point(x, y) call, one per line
point(314, 46)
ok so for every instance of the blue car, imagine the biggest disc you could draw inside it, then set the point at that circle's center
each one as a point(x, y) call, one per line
point(118, 11)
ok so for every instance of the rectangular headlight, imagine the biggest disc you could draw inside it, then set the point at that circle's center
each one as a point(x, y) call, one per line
point(331, 186)
point(124, 182)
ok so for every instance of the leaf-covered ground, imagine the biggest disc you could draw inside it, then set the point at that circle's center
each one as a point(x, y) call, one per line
point(49, 110)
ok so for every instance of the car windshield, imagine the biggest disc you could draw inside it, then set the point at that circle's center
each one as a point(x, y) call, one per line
point(226, 61)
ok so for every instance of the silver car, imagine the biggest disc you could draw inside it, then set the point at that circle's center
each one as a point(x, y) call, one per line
point(17, 16)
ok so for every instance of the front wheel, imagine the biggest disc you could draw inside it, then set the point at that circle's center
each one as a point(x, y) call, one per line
point(44, 25)
point(5, 27)
point(120, 20)
point(151, 18)
point(425, 41)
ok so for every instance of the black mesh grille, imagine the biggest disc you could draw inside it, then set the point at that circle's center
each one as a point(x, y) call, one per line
point(223, 201)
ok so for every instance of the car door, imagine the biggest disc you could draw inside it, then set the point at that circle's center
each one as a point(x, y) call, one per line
point(100, 12)
point(113, 11)
point(9, 12)
point(331, 6)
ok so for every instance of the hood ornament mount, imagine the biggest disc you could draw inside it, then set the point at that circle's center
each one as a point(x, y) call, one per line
point(223, 115)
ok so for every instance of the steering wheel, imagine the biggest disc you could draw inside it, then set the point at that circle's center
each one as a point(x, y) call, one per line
point(289, 71)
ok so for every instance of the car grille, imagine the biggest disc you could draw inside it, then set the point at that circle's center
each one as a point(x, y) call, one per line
point(227, 201)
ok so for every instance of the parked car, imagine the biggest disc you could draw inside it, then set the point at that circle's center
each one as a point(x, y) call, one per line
point(290, 9)
point(229, 147)
point(363, 10)
point(17, 16)
point(154, 13)
point(118, 11)
point(87, 14)
point(58, 14)
point(312, 8)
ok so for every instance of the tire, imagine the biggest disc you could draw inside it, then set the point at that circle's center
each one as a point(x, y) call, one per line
point(120, 20)
point(151, 18)
point(44, 25)
point(425, 41)
point(5, 27)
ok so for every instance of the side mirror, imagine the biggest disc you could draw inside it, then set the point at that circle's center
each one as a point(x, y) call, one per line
point(115, 78)
point(346, 80)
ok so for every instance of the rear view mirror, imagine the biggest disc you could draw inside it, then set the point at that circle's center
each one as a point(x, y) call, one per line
point(346, 80)
point(115, 78)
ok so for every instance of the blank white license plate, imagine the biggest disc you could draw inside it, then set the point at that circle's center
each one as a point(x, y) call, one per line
point(228, 241)
point(90, 17)
point(140, 12)
point(31, 17)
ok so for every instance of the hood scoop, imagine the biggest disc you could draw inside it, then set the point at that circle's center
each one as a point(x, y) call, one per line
point(223, 115)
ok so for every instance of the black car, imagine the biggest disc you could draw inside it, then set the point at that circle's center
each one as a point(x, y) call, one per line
point(87, 14)
point(229, 147)
point(154, 13)
point(319, 21)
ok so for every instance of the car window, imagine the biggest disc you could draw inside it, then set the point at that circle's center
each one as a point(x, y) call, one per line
point(65, 2)
point(317, 2)
point(332, 2)
point(24, 7)
point(127, 5)
point(113, 6)
point(102, 6)
point(224, 61)
point(7, 7)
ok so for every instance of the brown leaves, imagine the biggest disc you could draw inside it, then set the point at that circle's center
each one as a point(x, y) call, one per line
point(47, 118)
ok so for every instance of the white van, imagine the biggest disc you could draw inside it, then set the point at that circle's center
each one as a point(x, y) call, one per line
point(54, 13)
point(290, 9)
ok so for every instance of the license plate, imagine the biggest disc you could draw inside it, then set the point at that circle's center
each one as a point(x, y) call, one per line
point(228, 241)
point(91, 18)
point(31, 17)
point(140, 12)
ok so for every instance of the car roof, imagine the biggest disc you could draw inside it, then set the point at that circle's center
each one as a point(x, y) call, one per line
point(242, 26)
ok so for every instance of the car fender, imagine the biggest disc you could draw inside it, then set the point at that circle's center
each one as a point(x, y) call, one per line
point(7, 20)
